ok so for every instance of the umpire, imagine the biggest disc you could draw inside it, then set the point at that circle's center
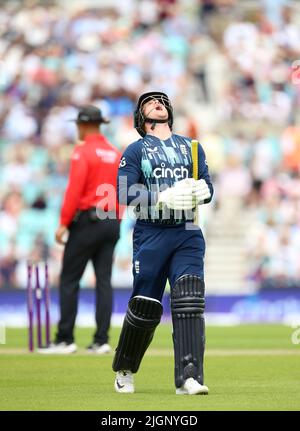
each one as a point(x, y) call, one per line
point(90, 237)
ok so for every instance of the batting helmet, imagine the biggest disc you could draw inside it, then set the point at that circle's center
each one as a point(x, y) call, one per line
point(140, 119)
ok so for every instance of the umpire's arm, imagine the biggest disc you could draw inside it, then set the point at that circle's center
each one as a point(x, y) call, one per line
point(77, 180)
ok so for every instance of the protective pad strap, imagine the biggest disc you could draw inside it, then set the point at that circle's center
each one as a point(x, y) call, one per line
point(187, 306)
point(142, 317)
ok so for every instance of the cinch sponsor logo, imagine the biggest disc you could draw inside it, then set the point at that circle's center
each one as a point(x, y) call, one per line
point(164, 172)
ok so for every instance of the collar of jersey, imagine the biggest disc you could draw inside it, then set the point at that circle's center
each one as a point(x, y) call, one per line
point(155, 138)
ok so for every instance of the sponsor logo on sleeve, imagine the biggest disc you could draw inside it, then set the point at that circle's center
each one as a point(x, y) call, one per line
point(122, 162)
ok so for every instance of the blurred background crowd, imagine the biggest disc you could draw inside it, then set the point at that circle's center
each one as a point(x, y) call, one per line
point(231, 69)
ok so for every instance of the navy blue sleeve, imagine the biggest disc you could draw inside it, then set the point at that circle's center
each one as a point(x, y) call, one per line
point(130, 184)
point(203, 172)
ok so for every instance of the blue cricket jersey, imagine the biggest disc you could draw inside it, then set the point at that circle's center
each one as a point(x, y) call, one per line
point(148, 166)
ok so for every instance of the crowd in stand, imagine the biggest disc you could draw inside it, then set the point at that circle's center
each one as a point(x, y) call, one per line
point(230, 69)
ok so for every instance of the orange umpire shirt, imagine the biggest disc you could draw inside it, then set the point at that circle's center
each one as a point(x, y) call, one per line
point(93, 163)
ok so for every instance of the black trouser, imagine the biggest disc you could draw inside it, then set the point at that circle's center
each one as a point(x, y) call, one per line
point(93, 240)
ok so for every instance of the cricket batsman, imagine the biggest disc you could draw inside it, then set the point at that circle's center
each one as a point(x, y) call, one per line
point(156, 177)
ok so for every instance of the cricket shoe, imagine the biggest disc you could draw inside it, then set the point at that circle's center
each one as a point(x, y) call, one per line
point(61, 348)
point(124, 382)
point(100, 349)
point(192, 387)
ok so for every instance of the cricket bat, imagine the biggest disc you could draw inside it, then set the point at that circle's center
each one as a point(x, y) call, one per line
point(194, 149)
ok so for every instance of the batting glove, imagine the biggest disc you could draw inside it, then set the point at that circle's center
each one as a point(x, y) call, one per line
point(179, 197)
point(201, 191)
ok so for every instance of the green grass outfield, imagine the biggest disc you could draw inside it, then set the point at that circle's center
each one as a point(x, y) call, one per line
point(251, 367)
